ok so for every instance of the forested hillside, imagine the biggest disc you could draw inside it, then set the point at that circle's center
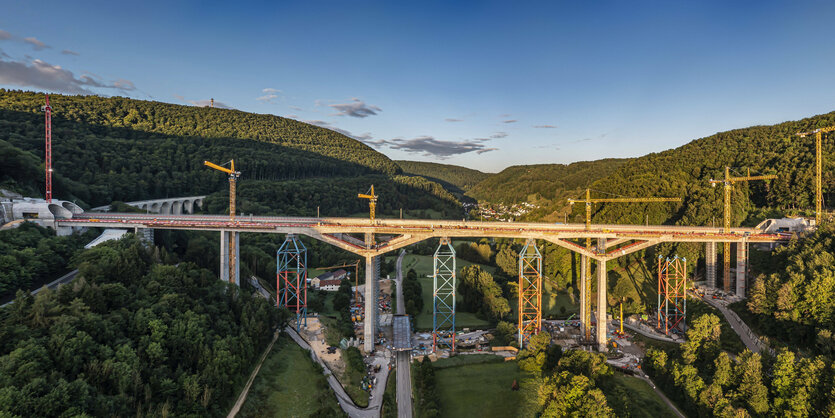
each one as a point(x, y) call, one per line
point(107, 149)
point(522, 183)
point(462, 178)
point(131, 337)
point(546, 185)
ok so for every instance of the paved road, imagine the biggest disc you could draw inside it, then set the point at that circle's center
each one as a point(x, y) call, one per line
point(661, 395)
point(404, 358)
point(345, 402)
point(740, 328)
point(53, 285)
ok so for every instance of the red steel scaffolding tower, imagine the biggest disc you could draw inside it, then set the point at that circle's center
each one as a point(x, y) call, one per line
point(530, 292)
point(291, 278)
point(48, 155)
point(672, 293)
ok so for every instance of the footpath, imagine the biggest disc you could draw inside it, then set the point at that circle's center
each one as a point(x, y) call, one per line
point(751, 340)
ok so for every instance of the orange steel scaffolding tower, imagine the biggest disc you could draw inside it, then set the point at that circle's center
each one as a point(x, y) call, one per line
point(530, 292)
point(672, 292)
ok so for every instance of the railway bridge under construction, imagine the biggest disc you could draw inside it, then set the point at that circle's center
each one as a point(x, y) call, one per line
point(376, 237)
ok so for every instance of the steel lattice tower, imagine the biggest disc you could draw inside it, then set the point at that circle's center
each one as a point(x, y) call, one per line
point(443, 301)
point(530, 292)
point(672, 292)
point(291, 278)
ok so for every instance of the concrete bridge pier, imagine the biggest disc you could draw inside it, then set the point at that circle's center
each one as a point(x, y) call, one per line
point(369, 325)
point(226, 238)
point(710, 264)
point(584, 308)
point(741, 268)
point(602, 323)
point(370, 322)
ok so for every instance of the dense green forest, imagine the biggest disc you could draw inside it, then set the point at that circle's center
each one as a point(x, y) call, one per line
point(548, 185)
point(706, 381)
point(131, 336)
point(31, 255)
point(451, 176)
point(796, 301)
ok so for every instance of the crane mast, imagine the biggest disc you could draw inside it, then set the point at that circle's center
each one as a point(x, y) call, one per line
point(818, 168)
point(233, 178)
point(588, 201)
point(48, 149)
point(728, 183)
point(372, 201)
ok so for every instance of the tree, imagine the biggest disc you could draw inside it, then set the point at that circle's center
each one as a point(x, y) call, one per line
point(751, 388)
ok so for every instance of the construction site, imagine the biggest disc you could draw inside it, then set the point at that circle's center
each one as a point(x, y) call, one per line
point(386, 337)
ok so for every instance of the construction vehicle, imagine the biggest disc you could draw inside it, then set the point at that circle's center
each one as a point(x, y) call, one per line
point(233, 178)
point(728, 182)
point(372, 201)
point(588, 202)
point(818, 167)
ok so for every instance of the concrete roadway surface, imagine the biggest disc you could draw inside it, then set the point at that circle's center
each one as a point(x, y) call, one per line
point(751, 341)
point(345, 402)
point(53, 285)
point(404, 358)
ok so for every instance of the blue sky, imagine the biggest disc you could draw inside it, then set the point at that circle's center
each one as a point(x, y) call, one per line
point(480, 84)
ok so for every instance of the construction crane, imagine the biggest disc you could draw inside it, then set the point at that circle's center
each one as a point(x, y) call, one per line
point(589, 201)
point(728, 182)
point(356, 266)
point(818, 167)
point(372, 201)
point(233, 178)
point(48, 149)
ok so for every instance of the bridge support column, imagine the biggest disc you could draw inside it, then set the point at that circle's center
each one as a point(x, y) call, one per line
point(710, 264)
point(741, 268)
point(227, 240)
point(602, 323)
point(530, 292)
point(584, 307)
point(370, 323)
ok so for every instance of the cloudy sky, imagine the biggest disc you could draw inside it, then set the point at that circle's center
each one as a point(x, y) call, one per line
point(480, 84)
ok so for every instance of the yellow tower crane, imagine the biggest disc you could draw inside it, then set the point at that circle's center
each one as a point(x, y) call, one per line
point(372, 201)
point(728, 182)
point(818, 167)
point(589, 201)
point(233, 178)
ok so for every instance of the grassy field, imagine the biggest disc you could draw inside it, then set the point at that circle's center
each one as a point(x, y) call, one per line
point(390, 408)
point(480, 390)
point(423, 266)
point(289, 384)
point(630, 396)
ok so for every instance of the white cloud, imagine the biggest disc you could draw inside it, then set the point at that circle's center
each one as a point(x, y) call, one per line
point(40, 74)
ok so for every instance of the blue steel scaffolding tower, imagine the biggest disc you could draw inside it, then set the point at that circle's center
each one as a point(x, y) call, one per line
point(443, 301)
point(291, 278)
